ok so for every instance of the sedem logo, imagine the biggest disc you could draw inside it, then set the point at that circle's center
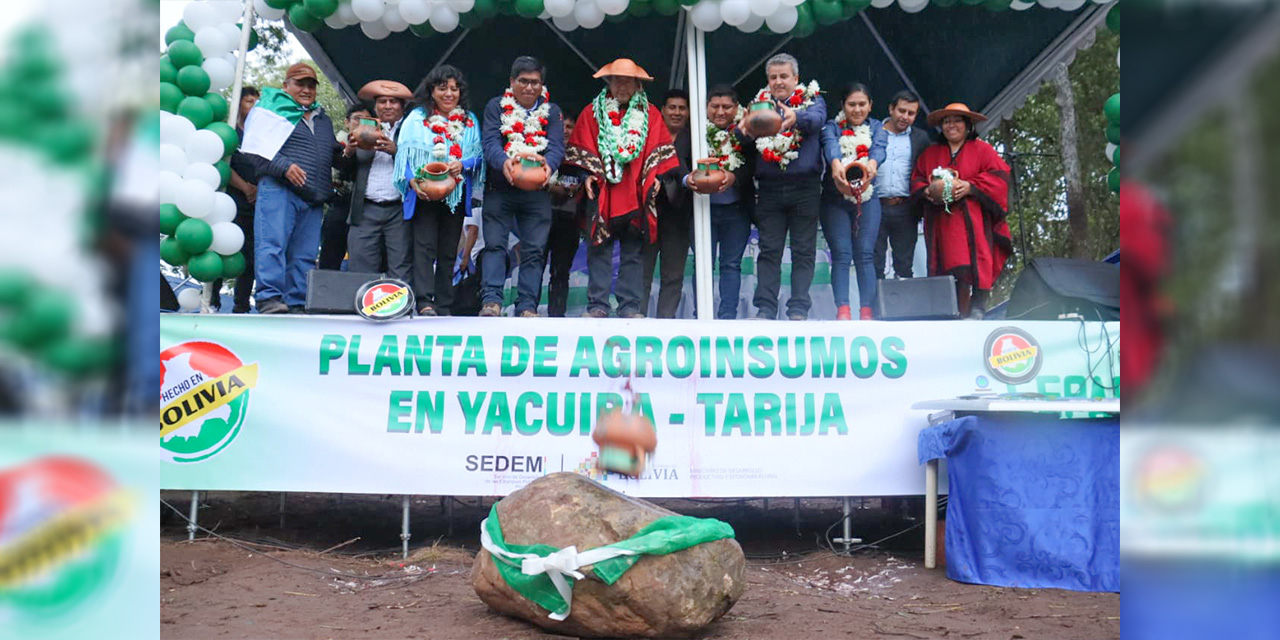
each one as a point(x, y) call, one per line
point(1012, 356)
point(62, 534)
point(204, 397)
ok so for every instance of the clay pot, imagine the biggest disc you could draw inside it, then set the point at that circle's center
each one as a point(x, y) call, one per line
point(708, 176)
point(530, 174)
point(762, 120)
point(367, 133)
point(855, 172)
point(436, 182)
point(624, 440)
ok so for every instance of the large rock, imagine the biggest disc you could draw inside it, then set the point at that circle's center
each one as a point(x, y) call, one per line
point(672, 595)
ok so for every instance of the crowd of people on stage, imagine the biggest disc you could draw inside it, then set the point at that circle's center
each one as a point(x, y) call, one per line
point(531, 182)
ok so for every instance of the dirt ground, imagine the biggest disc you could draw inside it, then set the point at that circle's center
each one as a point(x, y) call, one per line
point(278, 584)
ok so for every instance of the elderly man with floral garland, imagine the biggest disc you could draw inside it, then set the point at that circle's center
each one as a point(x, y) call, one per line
point(521, 121)
point(789, 169)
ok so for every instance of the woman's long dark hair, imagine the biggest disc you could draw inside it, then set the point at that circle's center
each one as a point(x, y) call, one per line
point(437, 77)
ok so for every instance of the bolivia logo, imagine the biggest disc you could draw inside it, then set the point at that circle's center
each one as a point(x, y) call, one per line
point(385, 299)
point(1171, 478)
point(62, 531)
point(1012, 355)
point(204, 396)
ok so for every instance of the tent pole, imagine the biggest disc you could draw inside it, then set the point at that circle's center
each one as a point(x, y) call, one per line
point(781, 43)
point(875, 33)
point(237, 85)
point(677, 70)
point(448, 52)
point(571, 46)
point(696, 49)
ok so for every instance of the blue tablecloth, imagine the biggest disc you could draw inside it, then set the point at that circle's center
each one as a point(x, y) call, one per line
point(1034, 501)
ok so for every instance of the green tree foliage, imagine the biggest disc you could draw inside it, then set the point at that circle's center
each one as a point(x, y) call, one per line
point(268, 61)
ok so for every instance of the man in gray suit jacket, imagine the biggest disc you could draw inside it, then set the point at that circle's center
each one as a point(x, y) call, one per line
point(378, 230)
point(893, 184)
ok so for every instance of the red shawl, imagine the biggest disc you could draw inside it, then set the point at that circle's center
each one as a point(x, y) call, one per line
point(1145, 228)
point(638, 189)
point(975, 234)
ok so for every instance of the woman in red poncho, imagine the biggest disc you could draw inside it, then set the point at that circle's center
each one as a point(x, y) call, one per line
point(620, 142)
point(962, 185)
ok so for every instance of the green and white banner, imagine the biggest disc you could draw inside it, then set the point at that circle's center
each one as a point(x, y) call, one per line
point(466, 406)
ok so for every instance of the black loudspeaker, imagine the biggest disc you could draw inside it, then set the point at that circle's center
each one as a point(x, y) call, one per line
point(918, 299)
point(1061, 288)
point(334, 292)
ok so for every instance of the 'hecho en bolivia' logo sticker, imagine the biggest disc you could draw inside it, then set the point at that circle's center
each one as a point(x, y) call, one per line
point(384, 299)
point(204, 397)
point(1012, 355)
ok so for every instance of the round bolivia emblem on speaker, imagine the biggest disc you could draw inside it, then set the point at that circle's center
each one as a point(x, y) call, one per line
point(384, 299)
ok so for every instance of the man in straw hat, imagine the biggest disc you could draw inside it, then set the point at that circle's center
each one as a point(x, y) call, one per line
point(379, 234)
point(622, 145)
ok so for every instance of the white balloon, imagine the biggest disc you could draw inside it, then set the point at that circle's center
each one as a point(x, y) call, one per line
point(752, 24)
point(265, 12)
point(212, 41)
point(198, 15)
point(335, 22)
point(783, 20)
point(734, 12)
point(1018, 5)
point(367, 10)
point(1050, 4)
point(224, 209)
point(375, 30)
point(881, 4)
point(346, 14)
point(227, 10)
point(232, 33)
point(706, 15)
point(913, 6)
point(460, 6)
point(559, 8)
point(564, 23)
point(613, 7)
point(792, 3)
point(221, 74)
point(205, 146)
point(189, 299)
point(170, 183)
point(203, 172)
point(444, 19)
point(415, 11)
point(763, 8)
point(195, 198)
point(394, 21)
point(228, 237)
point(175, 131)
point(587, 14)
point(1071, 5)
point(544, 15)
point(1111, 151)
point(173, 156)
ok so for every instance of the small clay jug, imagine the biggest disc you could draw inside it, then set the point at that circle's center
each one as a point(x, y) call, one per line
point(762, 120)
point(530, 174)
point(625, 439)
point(708, 176)
point(367, 133)
point(436, 181)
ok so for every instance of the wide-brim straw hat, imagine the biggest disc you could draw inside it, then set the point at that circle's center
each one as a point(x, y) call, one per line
point(954, 109)
point(623, 67)
point(390, 88)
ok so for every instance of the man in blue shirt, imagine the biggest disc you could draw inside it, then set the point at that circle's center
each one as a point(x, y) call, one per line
point(732, 207)
point(893, 185)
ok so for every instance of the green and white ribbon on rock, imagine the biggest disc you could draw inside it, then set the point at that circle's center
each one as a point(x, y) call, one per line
point(545, 574)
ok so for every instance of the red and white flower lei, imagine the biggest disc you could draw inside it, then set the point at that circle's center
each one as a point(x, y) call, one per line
point(784, 147)
point(855, 144)
point(524, 130)
point(621, 137)
point(447, 132)
point(722, 144)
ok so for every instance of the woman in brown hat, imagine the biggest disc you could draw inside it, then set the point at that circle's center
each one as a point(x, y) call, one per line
point(962, 187)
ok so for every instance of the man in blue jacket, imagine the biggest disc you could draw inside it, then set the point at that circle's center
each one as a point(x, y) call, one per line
point(521, 121)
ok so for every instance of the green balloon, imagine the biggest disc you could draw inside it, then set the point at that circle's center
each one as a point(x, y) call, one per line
point(80, 356)
point(666, 7)
point(253, 37)
point(224, 172)
point(170, 97)
point(851, 8)
point(171, 252)
point(168, 72)
point(279, 4)
point(229, 138)
point(170, 218)
point(1112, 108)
point(485, 8)
point(468, 20)
point(232, 265)
point(688, 3)
point(320, 8)
point(1113, 133)
point(943, 3)
point(827, 12)
point(45, 316)
point(205, 267)
point(1113, 19)
point(197, 110)
point(302, 19)
point(1113, 180)
point(972, 3)
point(193, 81)
point(618, 18)
point(639, 9)
point(997, 5)
point(178, 32)
point(425, 30)
point(506, 9)
point(185, 53)
point(219, 106)
point(15, 285)
point(194, 236)
point(805, 25)
point(1115, 157)
point(529, 8)
point(67, 142)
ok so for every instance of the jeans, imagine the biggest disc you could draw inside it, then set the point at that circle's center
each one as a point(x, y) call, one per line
point(675, 233)
point(436, 231)
point(852, 238)
point(286, 241)
point(730, 232)
point(897, 230)
point(528, 215)
point(786, 206)
point(630, 265)
point(562, 245)
point(381, 238)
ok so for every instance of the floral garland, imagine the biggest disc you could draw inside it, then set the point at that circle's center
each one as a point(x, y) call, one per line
point(722, 144)
point(784, 147)
point(621, 138)
point(855, 144)
point(524, 130)
point(947, 176)
point(448, 132)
